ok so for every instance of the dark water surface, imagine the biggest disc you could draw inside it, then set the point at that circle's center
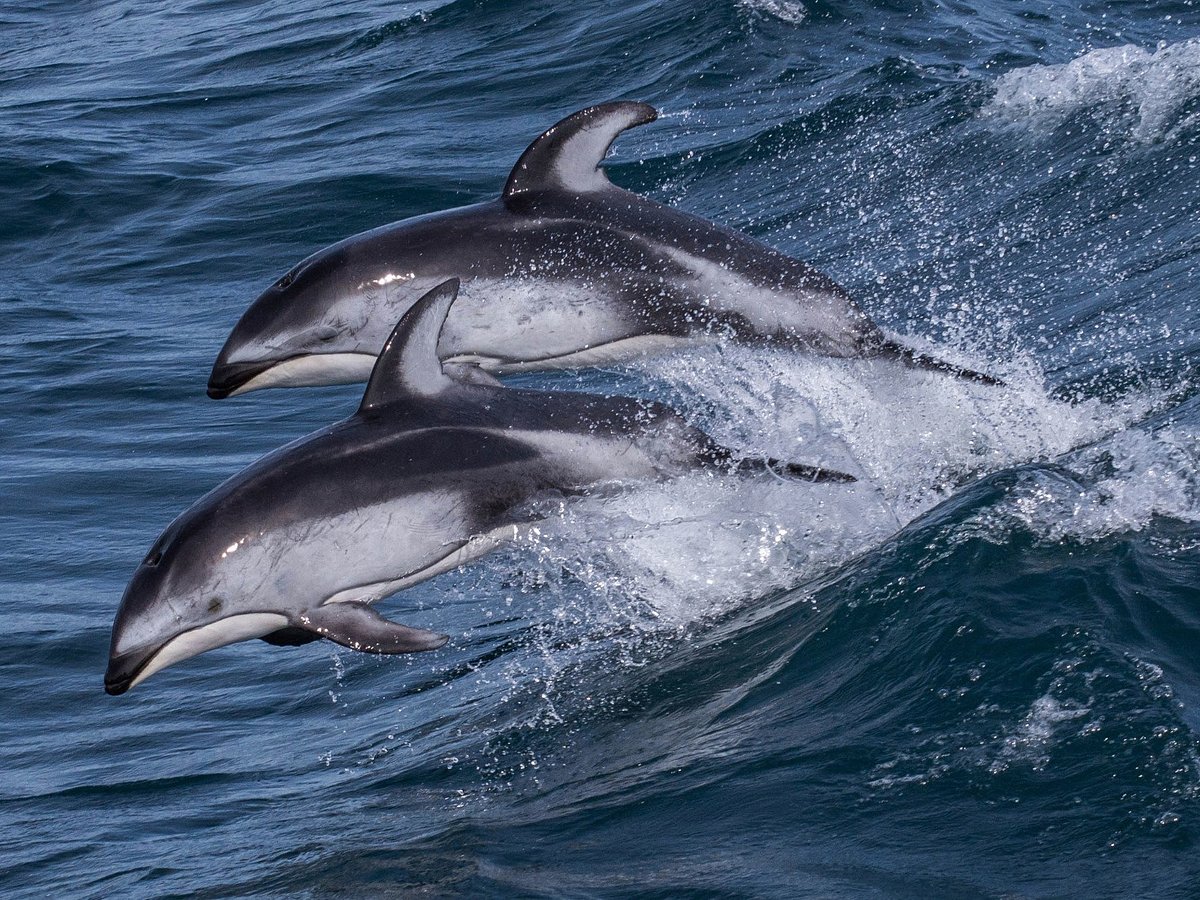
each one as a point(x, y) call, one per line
point(977, 673)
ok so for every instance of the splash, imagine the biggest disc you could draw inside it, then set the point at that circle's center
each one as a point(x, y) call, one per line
point(661, 557)
point(1146, 94)
point(914, 437)
point(1116, 486)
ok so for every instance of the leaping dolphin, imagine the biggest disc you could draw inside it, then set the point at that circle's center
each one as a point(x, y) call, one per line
point(429, 473)
point(563, 270)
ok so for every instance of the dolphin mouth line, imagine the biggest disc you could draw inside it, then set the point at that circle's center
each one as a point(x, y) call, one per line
point(126, 670)
point(237, 375)
point(297, 370)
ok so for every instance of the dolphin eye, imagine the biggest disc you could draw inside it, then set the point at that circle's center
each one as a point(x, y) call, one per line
point(285, 281)
point(153, 559)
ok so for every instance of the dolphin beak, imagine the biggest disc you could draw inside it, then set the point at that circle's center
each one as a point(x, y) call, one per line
point(124, 669)
point(226, 378)
point(298, 370)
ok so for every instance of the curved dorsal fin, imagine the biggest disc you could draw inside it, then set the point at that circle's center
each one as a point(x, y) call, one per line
point(409, 364)
point(568, 155)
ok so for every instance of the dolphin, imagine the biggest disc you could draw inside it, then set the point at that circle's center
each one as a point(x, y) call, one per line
point(563, 270)
point(436, 467)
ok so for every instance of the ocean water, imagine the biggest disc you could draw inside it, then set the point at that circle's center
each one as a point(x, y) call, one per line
point(975, 673)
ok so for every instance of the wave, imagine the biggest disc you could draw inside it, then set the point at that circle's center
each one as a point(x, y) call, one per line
point(711, 684)
point(1120, 485)
point(1148, 95)
point(941, 674)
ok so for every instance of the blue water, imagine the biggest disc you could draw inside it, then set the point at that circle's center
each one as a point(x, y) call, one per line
point(976, 674)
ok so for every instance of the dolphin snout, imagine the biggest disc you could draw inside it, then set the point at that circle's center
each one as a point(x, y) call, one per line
point(228, 377)
point(123, 668)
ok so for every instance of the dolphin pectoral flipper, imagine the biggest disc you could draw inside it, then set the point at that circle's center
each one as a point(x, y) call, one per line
point(798, 471)
point(357, 626)
point(918, 360)
point(470, 373)
point(567, 156)
point(715, 454)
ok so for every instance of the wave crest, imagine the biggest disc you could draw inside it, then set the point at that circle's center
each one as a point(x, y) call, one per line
point(1144, 93)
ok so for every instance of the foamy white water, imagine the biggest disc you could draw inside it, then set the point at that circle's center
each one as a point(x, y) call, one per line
point(666, 555)
point(1144, 93)
point(789, 11)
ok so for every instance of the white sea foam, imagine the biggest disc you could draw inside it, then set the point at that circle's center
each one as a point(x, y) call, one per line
point(1120, 484)
point(1143, 93)
point(1025, 744)
point(789, 11)
point(914, 437)
point(666, 555)
point(1030, 741)
point(1085, 701)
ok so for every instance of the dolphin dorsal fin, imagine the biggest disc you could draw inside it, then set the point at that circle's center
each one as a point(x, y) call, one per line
point(567, 157)
point(409, 365)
